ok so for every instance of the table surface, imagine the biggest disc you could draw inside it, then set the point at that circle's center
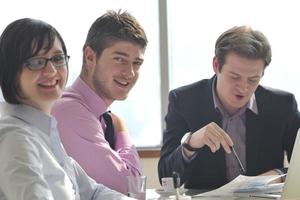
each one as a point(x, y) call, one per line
point(159, 194)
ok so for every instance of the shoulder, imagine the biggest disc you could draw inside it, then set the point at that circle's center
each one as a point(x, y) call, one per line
point(196, 96)
point(69, 96)
point(192, 89)
point(270, 99)
point(16, 133)
point(74, 116)
point(70, 102)
point(269, 93)
point(9, 124)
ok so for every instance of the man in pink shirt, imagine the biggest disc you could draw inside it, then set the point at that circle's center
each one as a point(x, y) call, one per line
point(112, 55)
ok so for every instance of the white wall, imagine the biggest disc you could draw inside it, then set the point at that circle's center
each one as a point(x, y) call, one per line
point(149, 169)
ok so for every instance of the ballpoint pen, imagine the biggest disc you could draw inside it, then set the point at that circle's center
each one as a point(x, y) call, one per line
point(242, 169)
point(176, 184)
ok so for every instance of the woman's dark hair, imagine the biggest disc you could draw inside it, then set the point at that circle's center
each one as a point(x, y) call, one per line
point(21, 40)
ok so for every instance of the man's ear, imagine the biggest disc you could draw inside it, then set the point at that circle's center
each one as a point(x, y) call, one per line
point(216, 64)
point(90, 57)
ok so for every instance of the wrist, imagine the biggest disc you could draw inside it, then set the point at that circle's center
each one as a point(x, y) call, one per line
point(185, 142)
point(279, 172)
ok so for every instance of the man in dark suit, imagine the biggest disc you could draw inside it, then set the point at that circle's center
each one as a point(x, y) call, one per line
point(209, 119)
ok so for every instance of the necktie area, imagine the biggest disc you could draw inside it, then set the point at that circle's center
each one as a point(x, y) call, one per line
point(109, 131)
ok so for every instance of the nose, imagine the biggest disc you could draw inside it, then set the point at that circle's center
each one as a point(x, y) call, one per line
point(49, 69)
point(243, 86)
point(129, 71)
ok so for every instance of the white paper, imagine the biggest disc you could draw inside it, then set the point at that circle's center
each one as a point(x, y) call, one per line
point(247, 185)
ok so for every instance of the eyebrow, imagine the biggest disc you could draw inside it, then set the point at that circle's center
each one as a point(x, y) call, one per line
point(255, 76)
point(40, 54)
point(126, 55)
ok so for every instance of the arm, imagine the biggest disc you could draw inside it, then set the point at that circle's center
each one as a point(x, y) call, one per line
point(124, 146)
point(83, 139)
point(291, 118)
point(172, 159)
point(90, 190)
point(293, 124)
point(21, 171)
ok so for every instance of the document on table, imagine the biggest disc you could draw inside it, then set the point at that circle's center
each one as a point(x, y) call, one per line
point(247, 186)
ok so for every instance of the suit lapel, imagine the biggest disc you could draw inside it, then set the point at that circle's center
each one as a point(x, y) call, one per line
point(206, 114)
point(203, 108)
point(254, 135)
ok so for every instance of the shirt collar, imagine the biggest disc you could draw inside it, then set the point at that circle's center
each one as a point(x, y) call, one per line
point(251, 104)
point(30, 115)
point(94, 101)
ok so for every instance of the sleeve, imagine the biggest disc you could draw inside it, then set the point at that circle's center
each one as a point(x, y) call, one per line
point(83, 138)
point(90, 190)
point(21, 176)
point(128, 153)
point(292, 126)
point(171, 158)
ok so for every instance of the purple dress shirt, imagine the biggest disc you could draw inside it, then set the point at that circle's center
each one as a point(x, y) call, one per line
point(235, 127)
point(78, 113)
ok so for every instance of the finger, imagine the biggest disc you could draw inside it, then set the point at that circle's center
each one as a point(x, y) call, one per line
point(226, 142)
point(211, 145)
point(215, 132)
point(215, 142)
point(225, 139)
point(228, 139)
point(212, 136)
point(212, 139)
point(225, 146)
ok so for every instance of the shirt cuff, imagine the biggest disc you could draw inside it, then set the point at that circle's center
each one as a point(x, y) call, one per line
point(185, 158)
point(281, 173)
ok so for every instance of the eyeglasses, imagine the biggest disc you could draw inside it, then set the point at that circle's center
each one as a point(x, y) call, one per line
point(38, 63)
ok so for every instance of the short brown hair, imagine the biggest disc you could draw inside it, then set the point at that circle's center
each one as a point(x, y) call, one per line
point(112, 27)
point(245, 42)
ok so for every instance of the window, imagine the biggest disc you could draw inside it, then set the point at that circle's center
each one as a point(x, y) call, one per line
point(193, 32)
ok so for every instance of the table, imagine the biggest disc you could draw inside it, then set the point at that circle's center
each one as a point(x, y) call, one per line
point(159, 194)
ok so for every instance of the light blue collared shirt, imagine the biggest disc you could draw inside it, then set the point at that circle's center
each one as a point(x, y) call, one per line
point(34, 164)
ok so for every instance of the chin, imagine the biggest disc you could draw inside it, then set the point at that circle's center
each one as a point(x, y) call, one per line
point(120, 98)
point(237, 107)
point(52, 97)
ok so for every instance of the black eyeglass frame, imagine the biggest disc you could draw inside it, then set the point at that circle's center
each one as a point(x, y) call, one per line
point(30, 65)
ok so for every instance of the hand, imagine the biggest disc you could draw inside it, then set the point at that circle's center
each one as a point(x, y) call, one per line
point(119, 124)
point(272, 172)
point(213, 136)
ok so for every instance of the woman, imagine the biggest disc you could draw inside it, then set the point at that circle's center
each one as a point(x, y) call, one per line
point(33, 73)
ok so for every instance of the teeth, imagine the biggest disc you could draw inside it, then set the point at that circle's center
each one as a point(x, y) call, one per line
point(49, 83)
point(123, 82)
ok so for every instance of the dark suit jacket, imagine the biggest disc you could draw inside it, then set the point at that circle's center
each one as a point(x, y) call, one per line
point(268, 134)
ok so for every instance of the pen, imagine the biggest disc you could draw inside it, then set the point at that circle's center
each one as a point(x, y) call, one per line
point(242, 169)
point(176, 184)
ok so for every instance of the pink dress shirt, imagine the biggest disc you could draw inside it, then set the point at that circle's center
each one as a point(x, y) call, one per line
point(81, 132)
